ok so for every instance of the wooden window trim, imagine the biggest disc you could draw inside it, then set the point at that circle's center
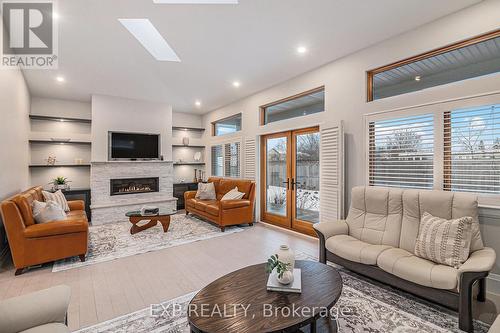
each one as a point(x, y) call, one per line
point(474, 40)
point(263, 108)
point(225, 118)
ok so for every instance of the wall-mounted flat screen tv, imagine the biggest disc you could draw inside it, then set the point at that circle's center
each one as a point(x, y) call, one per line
point(133, 146)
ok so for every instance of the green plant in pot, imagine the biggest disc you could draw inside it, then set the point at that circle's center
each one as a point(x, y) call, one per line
point(283, 273)
point(60, 183)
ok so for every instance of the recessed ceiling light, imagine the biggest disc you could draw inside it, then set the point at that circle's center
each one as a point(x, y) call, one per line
point(60, 79)
point(418, 78)
point(197, 2)
point(145, 32)
point(236, 84)
point(301, 49)
point(197, 103)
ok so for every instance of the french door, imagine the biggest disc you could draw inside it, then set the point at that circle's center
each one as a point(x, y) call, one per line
point(290, 179)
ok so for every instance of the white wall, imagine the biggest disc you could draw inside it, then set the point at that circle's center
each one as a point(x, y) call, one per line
point(14, 132)
point(181, 119)
point(127, 115)
point(345, 86)
point(60, 108)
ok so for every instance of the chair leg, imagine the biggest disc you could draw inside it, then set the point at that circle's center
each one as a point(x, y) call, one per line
point(82, 257)
point(467, 280)
point(322, 248)
point(481, 296)
point(19, 271)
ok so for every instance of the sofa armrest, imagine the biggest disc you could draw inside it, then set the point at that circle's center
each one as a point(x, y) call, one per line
point(39, 308)
point(329, 229)
point(479, 261)
point(189, 195)
point(76, 205)
point(230, 204)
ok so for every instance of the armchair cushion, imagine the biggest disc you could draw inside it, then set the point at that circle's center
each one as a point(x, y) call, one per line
point(56, 228)
point(230, 204)
point(36, 309)
point(329, 229)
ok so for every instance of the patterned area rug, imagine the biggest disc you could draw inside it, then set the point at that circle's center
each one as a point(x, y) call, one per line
point(371, 308)
point(112, 241)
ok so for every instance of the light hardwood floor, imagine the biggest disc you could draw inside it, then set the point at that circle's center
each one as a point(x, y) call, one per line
point(110, 289)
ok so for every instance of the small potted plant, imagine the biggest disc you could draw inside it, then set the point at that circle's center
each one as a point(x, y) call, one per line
point(60, 183)
point(284, 274)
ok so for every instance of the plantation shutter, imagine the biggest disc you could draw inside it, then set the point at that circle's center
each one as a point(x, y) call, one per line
point(332, 172)
point(472, 150)
point(401, 152)
point(217, 161)
point(250, 154)
point(232, 160)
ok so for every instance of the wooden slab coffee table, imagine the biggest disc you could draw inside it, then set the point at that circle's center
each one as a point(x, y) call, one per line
point(220, 306)
point(162, 217)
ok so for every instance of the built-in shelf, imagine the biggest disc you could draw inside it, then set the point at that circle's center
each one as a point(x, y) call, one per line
point(188, 146)
point(60, 166)
point(62, 142)
point(189, 163)
point(63, 119)
point(196, 129)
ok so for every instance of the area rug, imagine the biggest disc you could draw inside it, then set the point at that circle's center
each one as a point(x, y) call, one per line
point(112, 241)
point(367, 307)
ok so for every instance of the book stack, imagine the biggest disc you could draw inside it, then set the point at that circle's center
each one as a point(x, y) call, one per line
point(294, 287)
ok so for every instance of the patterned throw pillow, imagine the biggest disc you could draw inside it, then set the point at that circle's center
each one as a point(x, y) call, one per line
point(234, 194)
point(206, 191)
point(51, 211)
point(444, 241)
point(57, 197)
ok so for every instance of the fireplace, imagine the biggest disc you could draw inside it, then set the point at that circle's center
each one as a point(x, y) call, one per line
point(134, 185)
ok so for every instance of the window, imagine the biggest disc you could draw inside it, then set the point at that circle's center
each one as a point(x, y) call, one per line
point(226, 160)
point(472, 150)
point(468, 59)
point(217, 161)
point(227, 125)
point(401, 152)
point(303, 104)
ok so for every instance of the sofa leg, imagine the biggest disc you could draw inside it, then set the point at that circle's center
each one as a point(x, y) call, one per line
point(322, 247)
point(187, 213)
point(19, 271)
point(250, 224)
point(481, 296)
point(467, 280)
point(82, 257)
point(222, 228)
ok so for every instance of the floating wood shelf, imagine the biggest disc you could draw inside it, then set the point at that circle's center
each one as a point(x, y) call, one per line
point(60, 166)
point(197, 129)
point(61, 142)
point(62, 119)
point(188, 146)
point(189, 163)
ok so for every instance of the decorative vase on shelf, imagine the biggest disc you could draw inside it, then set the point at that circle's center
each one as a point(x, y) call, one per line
point(286, 255)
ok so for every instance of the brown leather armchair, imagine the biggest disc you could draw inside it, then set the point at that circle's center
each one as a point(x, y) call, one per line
point(227, 212)
point(33, 244)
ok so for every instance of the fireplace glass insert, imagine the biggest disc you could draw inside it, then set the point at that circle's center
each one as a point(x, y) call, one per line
point(134, 185)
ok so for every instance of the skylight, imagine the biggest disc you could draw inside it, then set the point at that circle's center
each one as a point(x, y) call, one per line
point(145, 32)
point(197, 2)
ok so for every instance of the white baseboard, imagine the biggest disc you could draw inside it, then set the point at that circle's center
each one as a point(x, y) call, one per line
point(493, 283)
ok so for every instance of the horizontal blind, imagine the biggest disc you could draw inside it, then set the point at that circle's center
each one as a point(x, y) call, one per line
point(472, 150)
point(401, 152)
point(232, 159)
point(250, 151)
point(217, 161)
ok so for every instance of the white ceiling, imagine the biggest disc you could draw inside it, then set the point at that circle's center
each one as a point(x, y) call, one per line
point(253, 42)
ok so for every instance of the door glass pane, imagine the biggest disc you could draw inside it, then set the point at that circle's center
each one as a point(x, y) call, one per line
point(276, 173)
point(307, 177)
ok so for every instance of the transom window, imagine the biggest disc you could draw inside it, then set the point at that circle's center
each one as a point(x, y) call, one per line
point(227, 125)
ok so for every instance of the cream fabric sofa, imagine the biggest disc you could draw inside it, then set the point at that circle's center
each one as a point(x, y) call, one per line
point(378, 237)
point(43, 311)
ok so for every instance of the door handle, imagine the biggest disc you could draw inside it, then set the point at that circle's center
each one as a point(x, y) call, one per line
point(287, 183)
point(293, 184)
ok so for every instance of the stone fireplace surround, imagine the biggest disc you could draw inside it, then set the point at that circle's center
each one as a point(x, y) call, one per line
point(107, 208)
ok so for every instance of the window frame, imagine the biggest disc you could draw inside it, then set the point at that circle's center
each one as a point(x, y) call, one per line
point(226, 118)
point(439, 109)
point(262, 108)
point(451, 47)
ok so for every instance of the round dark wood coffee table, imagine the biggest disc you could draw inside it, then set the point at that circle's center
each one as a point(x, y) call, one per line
point(239, 302)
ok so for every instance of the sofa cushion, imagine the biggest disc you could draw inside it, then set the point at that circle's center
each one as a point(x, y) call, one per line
point(375, 215)
point(230, 204)
point(48, 328)
point(212, 209)
point(407, 266)
point(56, 228)
point(24, 202)
point(353, 249)
point(202, 204)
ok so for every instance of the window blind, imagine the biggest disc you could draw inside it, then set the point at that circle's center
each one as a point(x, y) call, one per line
point(401, 152)
point(472, 150)
point(217, 161)
point(232, 160)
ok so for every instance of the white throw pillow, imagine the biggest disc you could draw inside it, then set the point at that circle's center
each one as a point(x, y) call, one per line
point(206, 191)
point(58, 197)
point(51, 212)
point(36, 207)
point(234, 194)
